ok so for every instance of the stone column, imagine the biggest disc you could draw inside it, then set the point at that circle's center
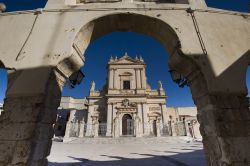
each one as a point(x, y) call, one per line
point(109, 120)
point(68, 129)
point(81, 132)
point(111, 78)
point(143, 79)
point(173, 129)
point(145, 119)
point(137, 126)
point(26, 126)
point(89, 121)
point(158, 128)
point(116, 127)
point(96, 128)
point(138, 79)
point(116, 82)
point(224, 124)
point(187, 128)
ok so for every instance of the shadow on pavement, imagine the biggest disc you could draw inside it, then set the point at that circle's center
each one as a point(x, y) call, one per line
point(194, 158)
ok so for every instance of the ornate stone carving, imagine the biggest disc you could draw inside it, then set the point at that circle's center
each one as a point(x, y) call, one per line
point(125, 103)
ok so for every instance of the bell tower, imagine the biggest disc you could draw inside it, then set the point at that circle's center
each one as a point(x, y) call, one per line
point(126, 75)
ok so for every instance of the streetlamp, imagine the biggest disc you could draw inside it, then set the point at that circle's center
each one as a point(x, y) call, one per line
point(76, 78)
point(178, 78)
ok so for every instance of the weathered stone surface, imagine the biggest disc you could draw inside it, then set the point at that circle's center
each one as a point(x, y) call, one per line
point(44, 131)
point(16, 131)
point(41, 149)
point(6, 151)
point(21, 153)
point(23, 124)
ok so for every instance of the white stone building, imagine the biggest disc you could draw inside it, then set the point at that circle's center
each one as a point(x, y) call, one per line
point(126, 106)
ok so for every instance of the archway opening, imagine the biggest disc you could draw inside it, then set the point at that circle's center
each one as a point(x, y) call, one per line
point(154, 55)
point(141, 26)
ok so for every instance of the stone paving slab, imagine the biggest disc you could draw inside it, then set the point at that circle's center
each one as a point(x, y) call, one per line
point(164, 151)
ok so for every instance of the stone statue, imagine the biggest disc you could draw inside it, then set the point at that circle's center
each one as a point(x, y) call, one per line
point(111, 59)
point(141, 59)
point(92, 87)
point(160, 85)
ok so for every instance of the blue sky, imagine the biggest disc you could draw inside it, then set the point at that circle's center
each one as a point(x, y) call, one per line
point(116, 44)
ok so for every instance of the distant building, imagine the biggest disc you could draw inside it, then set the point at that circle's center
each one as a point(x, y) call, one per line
point(126, 106)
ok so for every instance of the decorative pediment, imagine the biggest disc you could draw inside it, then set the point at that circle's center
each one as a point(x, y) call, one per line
point(126, 59)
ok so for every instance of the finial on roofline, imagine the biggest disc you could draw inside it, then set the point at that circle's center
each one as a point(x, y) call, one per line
point(111, 59)
point(141, 59)
point(126, 54)
point(136, 58)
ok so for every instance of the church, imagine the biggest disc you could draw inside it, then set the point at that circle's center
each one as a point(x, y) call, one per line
point(126, 106)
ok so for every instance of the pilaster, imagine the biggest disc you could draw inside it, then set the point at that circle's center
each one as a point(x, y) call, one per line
point(109, 120)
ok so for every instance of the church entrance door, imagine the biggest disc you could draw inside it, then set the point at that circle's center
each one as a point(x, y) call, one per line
point(127, 125)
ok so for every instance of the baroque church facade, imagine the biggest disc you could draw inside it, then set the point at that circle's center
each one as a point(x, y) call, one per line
point(126, 106)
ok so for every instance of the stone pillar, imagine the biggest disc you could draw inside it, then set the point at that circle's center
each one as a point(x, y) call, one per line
point(111, 78)
point(158, 128)
point(109, 120)
point(26, 127)
point(187, 128)
point(151, 130)
point(96, 128)
point(89, 121)
point(116, 81)
point(68, 129)
point(81, 132)
point(137, 126)
point(116, 127)
point(173, 129)
point(145, 119)
point(138, 79)
point(143, 79)
point(224, 124)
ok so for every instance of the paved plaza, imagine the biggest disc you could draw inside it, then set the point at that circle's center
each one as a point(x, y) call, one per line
point(131, 151)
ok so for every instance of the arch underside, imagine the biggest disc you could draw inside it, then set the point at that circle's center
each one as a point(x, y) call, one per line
point(128, 23)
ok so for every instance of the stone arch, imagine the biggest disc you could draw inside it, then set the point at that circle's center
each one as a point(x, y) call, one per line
point(126, 22)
